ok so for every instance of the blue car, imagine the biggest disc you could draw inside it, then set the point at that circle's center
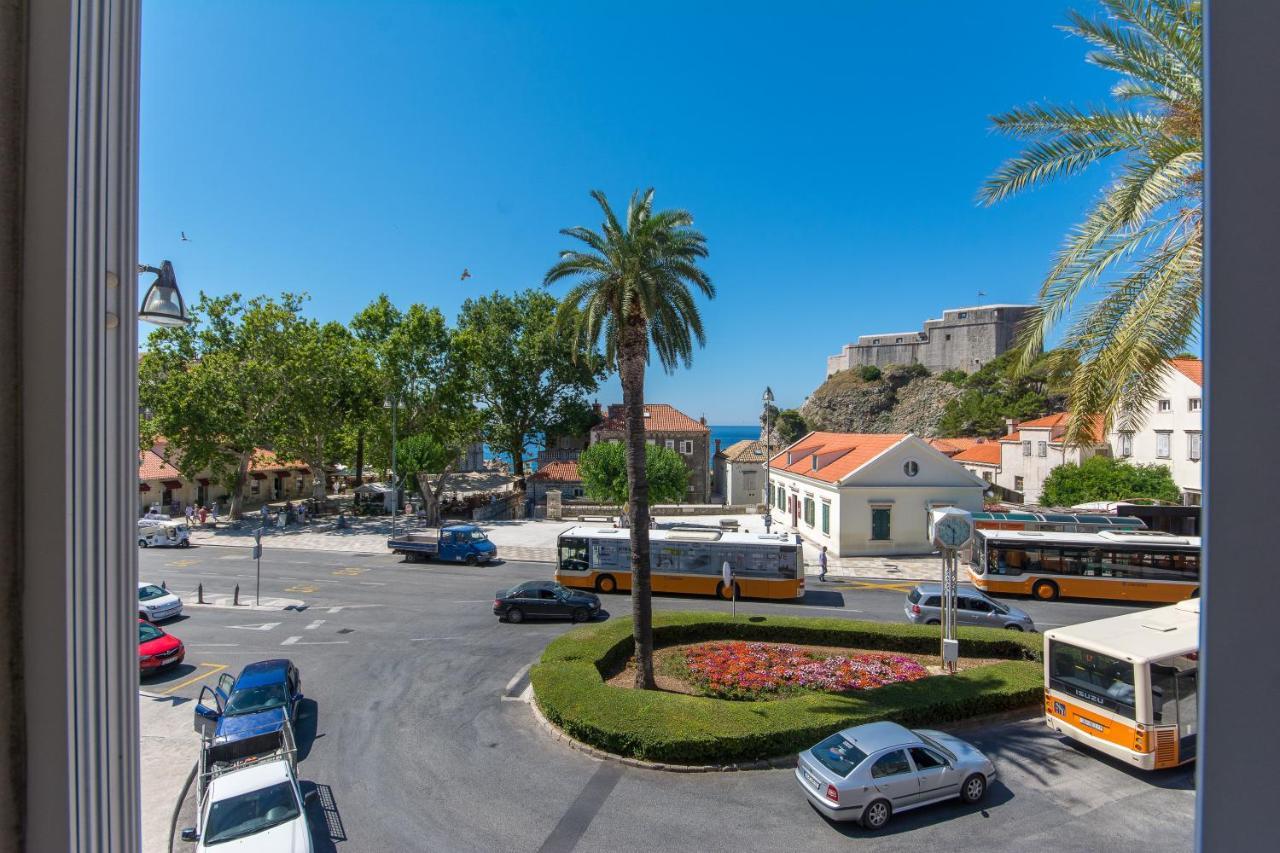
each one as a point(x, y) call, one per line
point(260, 700)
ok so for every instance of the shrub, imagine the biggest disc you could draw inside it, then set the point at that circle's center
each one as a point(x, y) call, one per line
point(953, 376)
point(571, 692)
point(869, 372)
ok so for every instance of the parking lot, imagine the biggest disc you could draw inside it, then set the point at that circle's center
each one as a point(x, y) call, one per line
point(416, 736)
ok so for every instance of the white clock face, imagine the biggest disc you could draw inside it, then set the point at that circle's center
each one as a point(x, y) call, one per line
point(953, 531)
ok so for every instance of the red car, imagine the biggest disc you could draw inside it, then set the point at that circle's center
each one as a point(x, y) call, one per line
point(157, 650)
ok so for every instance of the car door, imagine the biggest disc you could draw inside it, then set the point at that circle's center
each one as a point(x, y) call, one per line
point(209, 709)
point(549, 604)
point(936, 776)
point(895, 779)
point(975, 611)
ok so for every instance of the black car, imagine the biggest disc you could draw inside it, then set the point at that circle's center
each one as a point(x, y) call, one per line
point(544, 600)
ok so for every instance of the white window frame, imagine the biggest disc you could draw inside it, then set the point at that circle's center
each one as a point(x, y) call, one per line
point(1126, 444)
point(1163, 406)
point(686, 447)
point(1194, 404)
point(671, 444)
point(1026, 448)
point(1165, 436)
point(1195, 445)
point(1042, 449)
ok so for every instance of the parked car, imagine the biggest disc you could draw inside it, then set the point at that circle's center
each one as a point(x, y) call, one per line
point(544, 600)
point(157, 651)
point(265, 695)
point(973, 607)
point(867, 773)
point(155, 603)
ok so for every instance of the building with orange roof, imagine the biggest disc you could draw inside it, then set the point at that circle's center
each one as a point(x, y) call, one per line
point(739, 472)
point(867, 493)
point(561, 474)
point(1171, 429)
point(1031, 450)
point(269, 478)
point(667, 426)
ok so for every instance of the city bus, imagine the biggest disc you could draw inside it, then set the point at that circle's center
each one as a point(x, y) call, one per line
point(1135, 565)
point(1056, 522)
point(1126, 685)
point(685, 561)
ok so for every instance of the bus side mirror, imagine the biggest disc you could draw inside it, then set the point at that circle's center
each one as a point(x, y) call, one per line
point(190, 834)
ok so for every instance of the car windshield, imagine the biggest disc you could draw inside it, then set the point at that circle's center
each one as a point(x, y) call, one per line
point(245, 814)
point(149, 592)
point(147, 633)
point(251, 700)
point(933, 743)
point(838, 755)
point(478, 536)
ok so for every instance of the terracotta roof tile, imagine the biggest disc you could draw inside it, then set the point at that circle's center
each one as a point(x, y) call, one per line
point(1192, 368)
point(151, 466)
point(561, 470)
point(839, 453)
point(1056, 424)
point(952, 446)
point(981, 454)
point(746, 450)
point(660, 418)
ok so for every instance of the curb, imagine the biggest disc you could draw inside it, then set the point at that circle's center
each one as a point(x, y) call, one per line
point(779, 763)
point(177, 809)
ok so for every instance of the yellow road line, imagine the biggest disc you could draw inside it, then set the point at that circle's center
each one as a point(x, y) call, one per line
point(904, 586)
point(216, 668)
point(350, 571)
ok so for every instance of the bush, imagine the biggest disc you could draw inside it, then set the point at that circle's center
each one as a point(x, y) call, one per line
point(869, 372)
point(954, 376)
point(570, 689)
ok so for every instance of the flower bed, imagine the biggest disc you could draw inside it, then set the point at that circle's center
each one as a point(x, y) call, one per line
point(742, 670)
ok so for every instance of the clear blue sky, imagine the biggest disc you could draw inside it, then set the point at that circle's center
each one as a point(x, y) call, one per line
point(830, 151)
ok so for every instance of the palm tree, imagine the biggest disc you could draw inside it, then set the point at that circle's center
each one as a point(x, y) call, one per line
point(634, 289)
point(1145, 232)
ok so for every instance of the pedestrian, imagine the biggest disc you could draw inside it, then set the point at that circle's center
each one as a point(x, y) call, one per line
point(214, 512)
point(191, 515)
point(204, 515)
point(822, 564)
point(266, 514)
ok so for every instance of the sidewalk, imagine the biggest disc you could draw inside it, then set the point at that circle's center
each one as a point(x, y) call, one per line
point(534, 540)
point(169, 749)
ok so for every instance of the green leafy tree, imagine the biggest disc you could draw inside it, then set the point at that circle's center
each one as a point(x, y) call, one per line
point(418, 454)
point(870, 372)
point(953, 376)
point(527, 378)
point(219, 388)
point(1141, 242)
point(790, 426)
point(1102, 478)
point(329, 383)
point(635, 282)
point(603, 468)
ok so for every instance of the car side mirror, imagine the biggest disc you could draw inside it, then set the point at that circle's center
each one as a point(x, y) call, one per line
point(190, 834)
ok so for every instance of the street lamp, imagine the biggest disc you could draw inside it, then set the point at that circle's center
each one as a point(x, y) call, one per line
point(768, 455)
point(163, 303)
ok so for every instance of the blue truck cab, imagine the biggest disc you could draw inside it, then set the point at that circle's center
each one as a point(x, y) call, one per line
point(266, 694)
point(457, 543)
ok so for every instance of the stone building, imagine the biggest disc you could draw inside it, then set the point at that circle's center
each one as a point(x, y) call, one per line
point(964, 339)
point(562, 475)
point(673, 429)
point(743, 477)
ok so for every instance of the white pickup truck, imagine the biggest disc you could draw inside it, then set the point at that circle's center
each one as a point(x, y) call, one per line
point(248, 797)
point(160, 531)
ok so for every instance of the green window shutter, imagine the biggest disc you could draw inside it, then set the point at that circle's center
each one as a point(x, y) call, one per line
point(880, 524)
point(826, 518)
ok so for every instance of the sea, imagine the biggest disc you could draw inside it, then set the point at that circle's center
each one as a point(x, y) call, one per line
point(727, 433)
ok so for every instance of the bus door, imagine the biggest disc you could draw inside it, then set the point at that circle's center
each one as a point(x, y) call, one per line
point(1174, 685)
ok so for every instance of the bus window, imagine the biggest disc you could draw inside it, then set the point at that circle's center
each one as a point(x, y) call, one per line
point(698, 560)
point(665, 559)
point(573, 554)
point(1093, 677)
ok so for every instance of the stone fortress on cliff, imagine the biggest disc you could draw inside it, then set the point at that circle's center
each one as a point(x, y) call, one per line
point(964, 339)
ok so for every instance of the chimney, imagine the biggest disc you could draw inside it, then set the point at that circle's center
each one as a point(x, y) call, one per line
point(703, 420)
point(595, 407)
point(717, 447)
point(1009, 426)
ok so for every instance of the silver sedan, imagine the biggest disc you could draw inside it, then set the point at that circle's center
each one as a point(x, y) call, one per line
point(867, 773)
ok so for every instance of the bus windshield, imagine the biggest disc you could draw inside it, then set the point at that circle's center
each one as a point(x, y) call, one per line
point(573, 554)
point(1092, 677)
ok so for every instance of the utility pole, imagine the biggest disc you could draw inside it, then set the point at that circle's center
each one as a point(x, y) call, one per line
point(257, 555)
point(395, 485)
point(768, 455)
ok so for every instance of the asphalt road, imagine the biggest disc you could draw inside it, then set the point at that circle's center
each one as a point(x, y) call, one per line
point(414, 734)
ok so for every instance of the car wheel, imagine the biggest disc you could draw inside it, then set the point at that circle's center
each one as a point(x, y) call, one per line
point(186, 543)
point(1013, 627)
point(471, 559)
point(932, 622)
point(142, 543)
point(142, 614)
point(606, 583)
point(581, 615)
point(1045, 590)
point(514, 616)
point(877, 814)
point(974, 788)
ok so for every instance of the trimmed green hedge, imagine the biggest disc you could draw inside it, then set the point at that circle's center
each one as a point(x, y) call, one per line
point(678, 729)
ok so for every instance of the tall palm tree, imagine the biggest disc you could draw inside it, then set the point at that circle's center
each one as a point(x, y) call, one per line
point(635, 289)
point(1144, 234)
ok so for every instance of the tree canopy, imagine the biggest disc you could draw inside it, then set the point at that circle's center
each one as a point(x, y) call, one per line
point(603, 468)
point(1102, 478)
point(1000, 390)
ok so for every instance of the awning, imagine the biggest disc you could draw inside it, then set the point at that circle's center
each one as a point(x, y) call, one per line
point(171, 484)
point(303, 470)
point(204, 481)
point(258, 475)
point(143, 487)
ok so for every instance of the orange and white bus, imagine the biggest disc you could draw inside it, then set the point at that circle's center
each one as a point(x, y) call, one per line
point(684, 561)
point(1133, 565)
point(1127, 685)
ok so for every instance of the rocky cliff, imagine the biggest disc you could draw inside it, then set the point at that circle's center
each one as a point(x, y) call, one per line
point(900, 401)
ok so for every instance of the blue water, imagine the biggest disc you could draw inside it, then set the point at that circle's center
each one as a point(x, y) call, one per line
point(730, 434)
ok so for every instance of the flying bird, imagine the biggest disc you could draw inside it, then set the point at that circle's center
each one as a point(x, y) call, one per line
point(466, 274)
point(982, 293)
point(185, 238)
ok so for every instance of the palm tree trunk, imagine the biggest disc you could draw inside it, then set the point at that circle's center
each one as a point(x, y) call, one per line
point(631, 363)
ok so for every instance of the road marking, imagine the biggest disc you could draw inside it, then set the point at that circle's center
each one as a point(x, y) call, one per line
point(526, 695)
point(297, 641)
point(301, 588)
point(265, 626)
point(350, 571)
point(472, 601)
point(899, 586)
point(340, 607)
point(216, 668)
point(181, 563)
point(515, 679)
point(372, 583)
point(210, 645)
point(427, 639)
point(289, 641)
point(316, 624)
point(232, 557)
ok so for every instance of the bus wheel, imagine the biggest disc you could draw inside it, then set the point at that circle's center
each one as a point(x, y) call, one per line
point(1045, 590)
point(606, 584)
point(1195, 593)
point(932, 622)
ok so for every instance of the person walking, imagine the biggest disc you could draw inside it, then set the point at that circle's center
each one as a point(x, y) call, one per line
point(822, 564)
point(204, 515)
point(191, 515)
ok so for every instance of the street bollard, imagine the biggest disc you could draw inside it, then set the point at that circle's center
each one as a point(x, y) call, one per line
point(200, 593)
point(164, 585)
point(235, 601)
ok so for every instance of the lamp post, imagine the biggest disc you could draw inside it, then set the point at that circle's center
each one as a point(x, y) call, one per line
point(163, 304)
point(768, 455)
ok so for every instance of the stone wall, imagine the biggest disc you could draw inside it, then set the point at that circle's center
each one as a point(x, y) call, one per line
point(964, 339)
